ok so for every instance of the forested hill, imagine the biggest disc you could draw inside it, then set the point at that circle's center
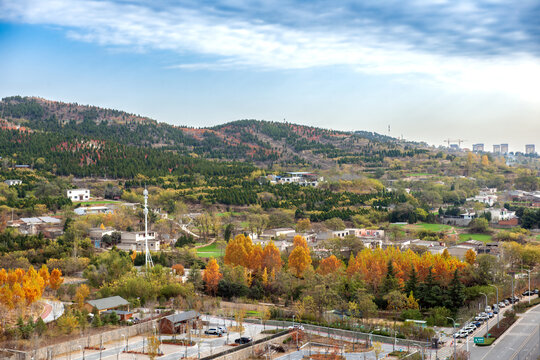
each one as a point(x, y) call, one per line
point(260, 142)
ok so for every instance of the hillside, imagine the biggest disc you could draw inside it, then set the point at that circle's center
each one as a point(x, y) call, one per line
point(263, 143)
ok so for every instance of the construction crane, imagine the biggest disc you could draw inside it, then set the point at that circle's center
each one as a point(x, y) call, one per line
point(458, 141)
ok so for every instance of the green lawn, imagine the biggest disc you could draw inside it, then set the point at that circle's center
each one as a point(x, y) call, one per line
point(435, 227)
point(537, 237)
point(209, 251)
point(480, 237)
point(99, 202)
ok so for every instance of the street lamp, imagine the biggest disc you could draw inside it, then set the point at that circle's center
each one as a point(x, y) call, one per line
point(499, 309)
point(487, 319)
point(455, 338)
point(529, 271)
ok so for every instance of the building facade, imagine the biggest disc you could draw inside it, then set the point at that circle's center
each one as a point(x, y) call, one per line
point(78, 194)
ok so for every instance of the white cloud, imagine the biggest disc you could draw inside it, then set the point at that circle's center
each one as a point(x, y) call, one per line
point(257, 44)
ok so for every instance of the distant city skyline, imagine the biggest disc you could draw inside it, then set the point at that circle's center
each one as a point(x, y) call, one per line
point(431, 70)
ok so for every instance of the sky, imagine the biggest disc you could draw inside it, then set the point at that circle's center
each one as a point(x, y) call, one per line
point(432, 70)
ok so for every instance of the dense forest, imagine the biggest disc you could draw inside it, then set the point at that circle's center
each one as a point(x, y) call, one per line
point(261, 142)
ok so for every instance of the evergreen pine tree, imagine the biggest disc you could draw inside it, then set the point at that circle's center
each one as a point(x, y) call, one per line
point(429, 292)
point(390, 282)
point(412, 283)
point(455, 294)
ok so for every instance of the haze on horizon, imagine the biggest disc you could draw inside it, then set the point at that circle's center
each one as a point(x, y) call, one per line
point(430, 69)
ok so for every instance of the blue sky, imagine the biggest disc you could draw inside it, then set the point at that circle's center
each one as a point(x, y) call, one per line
point(430, 69)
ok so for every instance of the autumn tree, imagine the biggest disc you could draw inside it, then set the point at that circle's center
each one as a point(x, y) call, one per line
point(470, 256)
point(330, 265)
point(81, 294)
point(271, 259)
point(211, 276)
point(178, 269)
point(56, 279)
point(238, 251)
point(303, 225)
point(299, 260)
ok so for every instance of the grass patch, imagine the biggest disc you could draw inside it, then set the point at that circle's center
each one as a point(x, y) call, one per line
point(253, 313)
point(211, 250)
point(99, 202)
point(480, 237)
point(271, 331)
point(435, 227)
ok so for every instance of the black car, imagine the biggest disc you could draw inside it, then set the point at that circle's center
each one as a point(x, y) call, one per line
point(243, 340)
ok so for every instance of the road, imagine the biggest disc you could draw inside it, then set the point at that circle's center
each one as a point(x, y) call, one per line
point(516, 343)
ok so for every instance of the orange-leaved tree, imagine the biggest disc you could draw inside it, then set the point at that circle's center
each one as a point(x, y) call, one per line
point(56, 279)
point(178, 269)
point(211, 276)
point(271, 257)
point(330, 265)
point(470, 256)
point(299, 259)
point(238, 250)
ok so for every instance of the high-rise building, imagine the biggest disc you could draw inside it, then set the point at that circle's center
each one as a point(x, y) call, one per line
point(529, 149)
point(478, 147)
point(504, 149)
point(496, 149)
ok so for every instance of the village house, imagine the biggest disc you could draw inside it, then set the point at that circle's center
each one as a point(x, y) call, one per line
point(13, 182)
point(46, 225)
point(107, 305)
point(179, 323)
point(135, 241)
point(78, 194)
point(92, 210)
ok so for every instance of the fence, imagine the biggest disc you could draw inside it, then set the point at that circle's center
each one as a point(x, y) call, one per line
point(238, 349)
point(53, 351)
point(349, 335)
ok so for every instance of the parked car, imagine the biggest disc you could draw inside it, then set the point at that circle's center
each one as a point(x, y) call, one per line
point(528, 293)
point(487, 309)
point(502, 304)
point(495, 310)
point(296, 327)
point(243, 340)
point(213, 331)
point(477, 323)
point(506, 302)
point(536, 291)
point(223, 329)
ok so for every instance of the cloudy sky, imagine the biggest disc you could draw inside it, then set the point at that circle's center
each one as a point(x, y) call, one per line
point(431, 69)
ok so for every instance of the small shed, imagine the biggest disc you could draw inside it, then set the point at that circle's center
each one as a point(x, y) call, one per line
point(178, 323)
point(109, 303)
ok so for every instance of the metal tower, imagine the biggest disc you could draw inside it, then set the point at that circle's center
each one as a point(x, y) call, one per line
point(148, 258)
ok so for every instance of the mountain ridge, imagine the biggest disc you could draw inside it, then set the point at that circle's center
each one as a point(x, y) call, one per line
point(261, 142)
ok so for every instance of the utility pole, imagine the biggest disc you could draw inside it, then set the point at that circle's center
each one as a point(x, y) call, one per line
point(487, 320)
point(498, 308)
point(529, 271)
point(455, 338)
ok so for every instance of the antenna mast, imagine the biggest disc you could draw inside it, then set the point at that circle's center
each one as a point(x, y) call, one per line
point(148, 258)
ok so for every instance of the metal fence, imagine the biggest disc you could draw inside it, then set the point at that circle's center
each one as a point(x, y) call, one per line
point(349, 335)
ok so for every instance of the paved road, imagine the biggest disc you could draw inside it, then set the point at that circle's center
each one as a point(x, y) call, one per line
point(518, 341)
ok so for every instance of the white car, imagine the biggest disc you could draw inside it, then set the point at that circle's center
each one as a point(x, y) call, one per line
point(487, 309)
point(223, 329)
point(502, 304)
point(296, 327)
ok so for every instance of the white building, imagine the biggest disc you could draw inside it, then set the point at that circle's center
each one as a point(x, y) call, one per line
point(92, 210)
point(78, 194)
point(485, 199)
point(135, 241)
point(501, 214)
point(300, 178)
point(13, 182)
